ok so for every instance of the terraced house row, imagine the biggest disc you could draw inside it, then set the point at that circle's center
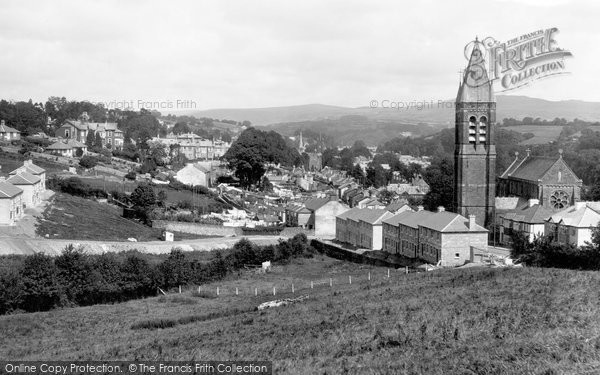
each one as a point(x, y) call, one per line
point(441, 237)
point(23, 188)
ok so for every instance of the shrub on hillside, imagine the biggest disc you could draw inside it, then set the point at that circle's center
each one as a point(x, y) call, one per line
point(88, 161)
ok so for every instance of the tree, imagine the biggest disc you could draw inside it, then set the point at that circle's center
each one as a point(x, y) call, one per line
point(88, 161)
point(181, 128)
point(253, 149)
point(143, 196)
point(90, 139)
point(175, 269)
point(41, 290)
point(98, 142)
point(440, 177)
point(79, 152)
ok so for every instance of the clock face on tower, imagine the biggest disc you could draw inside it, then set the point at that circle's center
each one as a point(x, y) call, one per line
point(559, 199)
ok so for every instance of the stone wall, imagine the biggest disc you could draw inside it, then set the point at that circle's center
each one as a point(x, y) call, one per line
point(196, 228)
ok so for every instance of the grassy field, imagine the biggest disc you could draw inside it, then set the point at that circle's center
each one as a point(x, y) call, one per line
point(69, 217)
point(473, 321)
point(542, 134)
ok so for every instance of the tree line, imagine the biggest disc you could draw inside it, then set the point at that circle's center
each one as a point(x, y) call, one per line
point(74, 278)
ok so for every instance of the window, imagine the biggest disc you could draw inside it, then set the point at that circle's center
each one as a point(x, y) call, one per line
point(456, 255)
point(482, 129)
point(472, 129)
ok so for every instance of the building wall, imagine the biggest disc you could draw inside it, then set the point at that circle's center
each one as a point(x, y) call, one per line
point(31, 194)
point(460, 243)
point(325, 218)
point(11, 209)
point(192, 176)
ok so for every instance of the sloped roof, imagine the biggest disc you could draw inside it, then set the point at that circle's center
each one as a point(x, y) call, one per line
point(415, 218)
point(446, 221)
point(395, 220)
point(532, 168)
point(369, 215)
point(31, 168)
point(23, 178)
point(76, 124)
point(316, 203)
point(535, 214)
point(7, 129)
point(8, 190)
point(582, 215)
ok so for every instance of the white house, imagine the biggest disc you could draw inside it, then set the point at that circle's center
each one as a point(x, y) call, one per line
point(11, 203)
point(33, 169)
point(574, 225)
point(194, 174)
point(31, 186)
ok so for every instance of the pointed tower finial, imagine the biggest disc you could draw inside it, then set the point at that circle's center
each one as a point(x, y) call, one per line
point(476, 39)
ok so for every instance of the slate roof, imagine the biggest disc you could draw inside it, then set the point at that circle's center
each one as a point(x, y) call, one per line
point(368, 215)
point(31, 168)
point(7, 129)
point(8, 190)
point(446, 221)
point(23, 178)
point(415, 219)
point(395, 220)
point(315, 203)
point(535, 214)
point(582, 215)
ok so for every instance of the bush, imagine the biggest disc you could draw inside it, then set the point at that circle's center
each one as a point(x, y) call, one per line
point(88, 161)
point(131, 175)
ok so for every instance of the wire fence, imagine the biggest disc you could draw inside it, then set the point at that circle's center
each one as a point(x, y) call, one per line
point(403, 277)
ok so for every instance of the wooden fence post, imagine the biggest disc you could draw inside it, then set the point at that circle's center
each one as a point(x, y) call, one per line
point(255, 292)
point(217, 291)
point(388, 273)
point(369, 275)
point(198, 288)
point(236, 291)
point(350, 279)
point(179, 289)
point(311, 284)
point(330, 282)
point(292, 288)
point(274, 291)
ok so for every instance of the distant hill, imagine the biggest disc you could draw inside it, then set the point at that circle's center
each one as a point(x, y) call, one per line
point(440, 114)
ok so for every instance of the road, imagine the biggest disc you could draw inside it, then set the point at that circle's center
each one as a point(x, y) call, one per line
point(16, 245)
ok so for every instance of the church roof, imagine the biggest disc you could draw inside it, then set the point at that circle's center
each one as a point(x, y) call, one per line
point(531, 168)
point(476, 86)
point(581, 215)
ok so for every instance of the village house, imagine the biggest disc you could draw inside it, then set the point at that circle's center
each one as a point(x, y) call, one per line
point(31, 186)
point(362, 227)
point(78, 131)
point(440, 237)
point(11, 203)
point(33, 169)
point(195, 174)
point(297, 215)
point(7, 133)
point(323, 212)
point(574, 225)
point(67, 148)
point(529, 219)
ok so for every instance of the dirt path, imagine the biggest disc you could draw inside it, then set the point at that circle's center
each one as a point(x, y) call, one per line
point(11, 245)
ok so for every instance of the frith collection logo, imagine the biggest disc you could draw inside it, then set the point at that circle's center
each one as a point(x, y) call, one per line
point(522, 60)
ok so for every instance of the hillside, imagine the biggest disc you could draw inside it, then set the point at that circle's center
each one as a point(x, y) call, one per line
point(432, 112)
point(483, 321)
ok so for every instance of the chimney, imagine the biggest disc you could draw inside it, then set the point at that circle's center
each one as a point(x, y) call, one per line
point(533, 202)
point(471, 224)
point(420, 208)
point(333, 197)
point(441, 209)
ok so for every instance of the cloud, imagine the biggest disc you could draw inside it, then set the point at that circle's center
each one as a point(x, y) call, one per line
point(268, 53)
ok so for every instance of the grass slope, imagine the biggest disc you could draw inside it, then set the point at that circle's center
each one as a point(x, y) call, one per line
point(74, 218)
point(474, 321)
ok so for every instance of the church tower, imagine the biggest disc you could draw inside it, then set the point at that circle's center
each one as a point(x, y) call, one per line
point(475, 149)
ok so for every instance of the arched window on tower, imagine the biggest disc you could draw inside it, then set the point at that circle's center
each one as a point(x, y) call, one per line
point(482, 129)
point(472, 129)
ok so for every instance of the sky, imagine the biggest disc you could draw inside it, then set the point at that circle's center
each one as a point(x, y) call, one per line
point(264, 53)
